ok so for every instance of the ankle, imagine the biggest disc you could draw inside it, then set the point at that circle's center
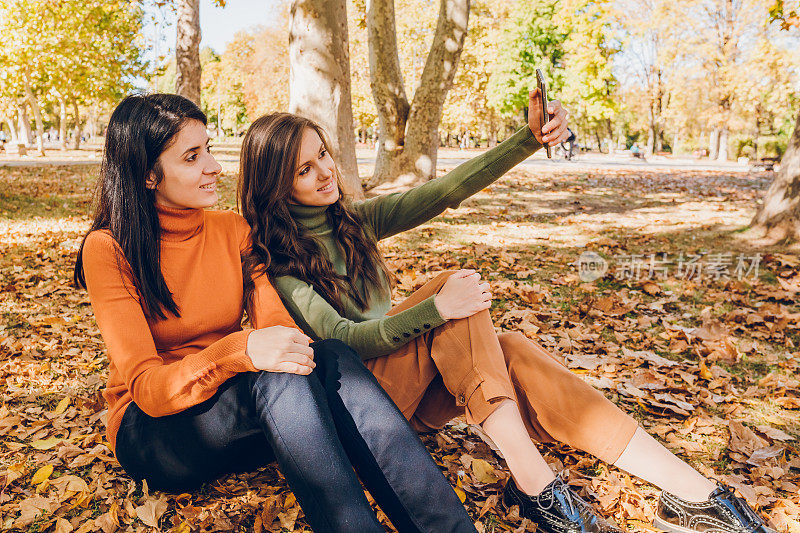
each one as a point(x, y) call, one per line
point(534, 486)
point(695, 494)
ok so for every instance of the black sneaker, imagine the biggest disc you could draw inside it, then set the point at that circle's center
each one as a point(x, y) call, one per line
point(556, 510)
point(722, 512)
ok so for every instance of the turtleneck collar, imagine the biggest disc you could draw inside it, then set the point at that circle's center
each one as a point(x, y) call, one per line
point(179, 224)
point(313, 217)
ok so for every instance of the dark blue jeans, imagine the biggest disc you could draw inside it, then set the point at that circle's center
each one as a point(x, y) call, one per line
point(319, 428)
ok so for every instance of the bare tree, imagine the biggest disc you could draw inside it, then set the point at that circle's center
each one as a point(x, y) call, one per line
point(187, 50)
point(408, 137)
point(319, 59)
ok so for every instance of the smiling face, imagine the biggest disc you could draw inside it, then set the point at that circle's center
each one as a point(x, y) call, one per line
point(315, 173)
point(189, 171)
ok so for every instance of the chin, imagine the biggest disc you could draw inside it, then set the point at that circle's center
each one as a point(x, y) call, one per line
point(211, 202)
point(328, 199)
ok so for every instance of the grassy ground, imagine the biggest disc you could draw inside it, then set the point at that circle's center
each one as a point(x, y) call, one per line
point(706, 361)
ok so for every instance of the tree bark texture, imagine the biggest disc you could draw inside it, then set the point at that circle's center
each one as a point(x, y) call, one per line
point(409, 134)
point(187, 51)
point(779, 215)
point(319, 79)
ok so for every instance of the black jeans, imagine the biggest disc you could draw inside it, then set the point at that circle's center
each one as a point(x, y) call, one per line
point(319, 428)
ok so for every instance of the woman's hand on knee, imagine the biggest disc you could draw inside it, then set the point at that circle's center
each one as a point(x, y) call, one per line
point(463, 295)
point(281, 349)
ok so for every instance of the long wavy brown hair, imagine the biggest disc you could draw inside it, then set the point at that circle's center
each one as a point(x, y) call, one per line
point(280, 245)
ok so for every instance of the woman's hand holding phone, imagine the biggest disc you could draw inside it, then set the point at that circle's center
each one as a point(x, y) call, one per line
point(281, 349)
point(555, 130)
point(463, 295)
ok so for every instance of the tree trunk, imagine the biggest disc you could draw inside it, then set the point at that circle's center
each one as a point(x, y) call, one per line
point(14, 140)
point(76, 143)
point(24, 124)
point(409, 134)
point(713, 143)
point(37, 112)
point(722, 154)
point(62, 123)
point(779, 216)
point(388, 89)
point(319, 79)
point(187, 50)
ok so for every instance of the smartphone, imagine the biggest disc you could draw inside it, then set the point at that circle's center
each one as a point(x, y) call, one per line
point(543, 96)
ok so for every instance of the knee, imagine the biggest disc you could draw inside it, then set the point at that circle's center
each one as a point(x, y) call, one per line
point(512, 343)
point(273, 384)
point(439, 280)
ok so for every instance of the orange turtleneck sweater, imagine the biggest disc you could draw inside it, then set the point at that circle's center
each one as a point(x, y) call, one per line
point(167, 366)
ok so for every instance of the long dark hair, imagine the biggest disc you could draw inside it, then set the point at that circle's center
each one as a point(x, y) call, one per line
point(140, 129)
point(281, 246)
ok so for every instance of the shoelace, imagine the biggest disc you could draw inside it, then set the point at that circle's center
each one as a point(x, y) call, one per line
point(565, 491)
point(728, 495)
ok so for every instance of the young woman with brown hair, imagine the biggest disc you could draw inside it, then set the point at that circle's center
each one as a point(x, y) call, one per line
point(193, 396)
point(437, 353)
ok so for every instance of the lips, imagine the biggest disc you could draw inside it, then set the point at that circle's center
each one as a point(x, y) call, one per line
point(209, 186)
point(327, 188)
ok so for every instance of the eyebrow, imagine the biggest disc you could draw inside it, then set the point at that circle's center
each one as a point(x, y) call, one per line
point(195, 148)
point(321, 148)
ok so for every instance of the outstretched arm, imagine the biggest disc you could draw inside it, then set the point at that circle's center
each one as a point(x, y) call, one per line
point(394, 213)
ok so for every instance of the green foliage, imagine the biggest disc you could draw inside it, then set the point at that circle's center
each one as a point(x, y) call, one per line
point(531, 39)
point(89, 51)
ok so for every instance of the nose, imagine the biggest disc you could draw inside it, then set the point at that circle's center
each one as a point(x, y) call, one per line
point(325, 172)
point(213, 166)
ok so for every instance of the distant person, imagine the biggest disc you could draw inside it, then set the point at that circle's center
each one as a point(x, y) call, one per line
point(191, 395)
point(570, 142)
point(636, 151)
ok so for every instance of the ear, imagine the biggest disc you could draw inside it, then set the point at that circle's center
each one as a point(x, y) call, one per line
point(151, 182)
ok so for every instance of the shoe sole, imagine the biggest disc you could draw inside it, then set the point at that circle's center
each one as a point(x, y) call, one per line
point(671, 528)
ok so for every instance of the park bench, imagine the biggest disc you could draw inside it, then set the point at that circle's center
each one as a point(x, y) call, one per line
point(766, 163)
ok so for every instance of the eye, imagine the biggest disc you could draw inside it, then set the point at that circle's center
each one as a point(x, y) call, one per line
point(208, 148)
point(191, 158)
point(304, 171)
point(322, 153)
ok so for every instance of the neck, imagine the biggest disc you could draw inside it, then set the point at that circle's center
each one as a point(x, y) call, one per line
point(179, 224)
point(311, 216)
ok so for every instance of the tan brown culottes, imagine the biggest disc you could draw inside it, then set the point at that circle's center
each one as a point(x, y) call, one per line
point(464, 366)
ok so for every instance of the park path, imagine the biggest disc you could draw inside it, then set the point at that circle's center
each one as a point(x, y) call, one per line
point(451, 158)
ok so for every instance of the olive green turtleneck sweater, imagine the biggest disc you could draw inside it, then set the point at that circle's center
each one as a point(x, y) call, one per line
point(371, 333)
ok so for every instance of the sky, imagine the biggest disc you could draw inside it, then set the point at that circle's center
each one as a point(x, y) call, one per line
point(217, 25)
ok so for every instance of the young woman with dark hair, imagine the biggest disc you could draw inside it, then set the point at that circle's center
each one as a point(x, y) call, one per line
point(193, 396)
point(437, 353)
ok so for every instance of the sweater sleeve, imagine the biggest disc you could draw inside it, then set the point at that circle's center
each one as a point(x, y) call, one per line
point(393, 213)
point(159, 389)
point(370, 338)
